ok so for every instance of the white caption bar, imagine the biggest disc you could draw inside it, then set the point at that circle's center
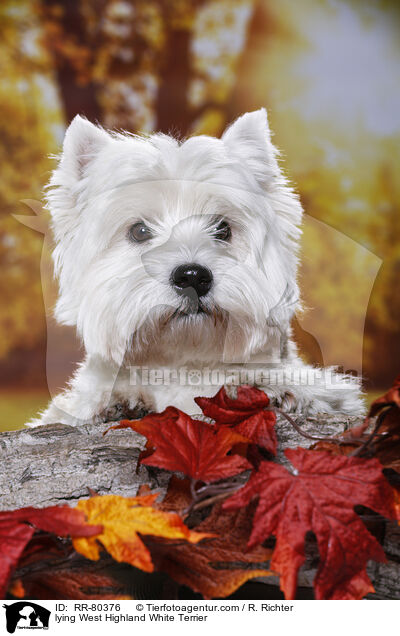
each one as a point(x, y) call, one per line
point(195, 617)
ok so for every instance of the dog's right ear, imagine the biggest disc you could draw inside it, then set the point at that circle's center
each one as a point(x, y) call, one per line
point(82, 142)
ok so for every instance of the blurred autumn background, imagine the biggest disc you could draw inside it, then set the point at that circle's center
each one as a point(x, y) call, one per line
point(328, 73)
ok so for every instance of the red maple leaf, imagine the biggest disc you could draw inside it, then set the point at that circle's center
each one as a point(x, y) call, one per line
point(319, 497)
point(18, 526)
point(194, 448)
point(382, 440)
point(246, 413)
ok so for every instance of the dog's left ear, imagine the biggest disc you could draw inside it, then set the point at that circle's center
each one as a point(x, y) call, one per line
point(249, 139)
point(83, 141)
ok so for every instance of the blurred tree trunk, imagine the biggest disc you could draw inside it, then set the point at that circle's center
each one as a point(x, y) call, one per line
point(172, 109)
point(65, 27)
point(241, 99)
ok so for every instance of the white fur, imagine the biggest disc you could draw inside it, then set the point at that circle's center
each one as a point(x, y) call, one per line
point(118, 294)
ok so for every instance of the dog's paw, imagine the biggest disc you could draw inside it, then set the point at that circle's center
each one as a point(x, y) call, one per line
point(75, 408)
point(55, 415)
point(340, 393)
point(343, 396)
point(286, 401)
point(72, 408)
point(298, 403)
point(124, 410)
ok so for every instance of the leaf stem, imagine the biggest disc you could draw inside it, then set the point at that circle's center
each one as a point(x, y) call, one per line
point(303, 433)
point(209, 493)
point(374, 432)
point(203, 503)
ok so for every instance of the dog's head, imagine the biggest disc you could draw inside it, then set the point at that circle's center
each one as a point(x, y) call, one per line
point(174, 249)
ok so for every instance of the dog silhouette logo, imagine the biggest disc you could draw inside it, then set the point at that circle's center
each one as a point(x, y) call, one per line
point(26, 615)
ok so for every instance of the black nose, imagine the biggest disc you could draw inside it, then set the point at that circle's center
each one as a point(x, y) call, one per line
point(192, 275)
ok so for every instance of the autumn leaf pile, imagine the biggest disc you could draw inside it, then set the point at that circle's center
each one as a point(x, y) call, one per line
point(231, 513)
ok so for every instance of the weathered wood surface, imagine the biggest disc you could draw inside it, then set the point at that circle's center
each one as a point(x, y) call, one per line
point(57, 464)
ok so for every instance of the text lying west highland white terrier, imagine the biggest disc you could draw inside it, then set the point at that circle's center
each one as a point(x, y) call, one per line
point(177, 263)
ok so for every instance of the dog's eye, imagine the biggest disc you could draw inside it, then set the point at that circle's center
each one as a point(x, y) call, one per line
point(223, 231)
point(139, 232)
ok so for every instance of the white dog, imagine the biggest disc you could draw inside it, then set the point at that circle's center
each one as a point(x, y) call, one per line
point(177, 264)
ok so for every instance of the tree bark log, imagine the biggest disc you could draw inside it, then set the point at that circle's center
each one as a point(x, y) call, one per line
point(58, 464)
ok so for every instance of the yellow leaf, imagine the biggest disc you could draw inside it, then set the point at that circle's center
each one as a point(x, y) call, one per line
point(122, 519)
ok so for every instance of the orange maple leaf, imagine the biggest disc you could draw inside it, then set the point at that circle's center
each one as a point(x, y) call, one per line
point(123, 519)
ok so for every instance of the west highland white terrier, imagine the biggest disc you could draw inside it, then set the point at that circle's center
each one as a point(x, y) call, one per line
point(177, 264)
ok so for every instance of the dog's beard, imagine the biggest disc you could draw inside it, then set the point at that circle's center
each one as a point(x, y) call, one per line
point(195, 310)
point(193, 329)
point(203, 333)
